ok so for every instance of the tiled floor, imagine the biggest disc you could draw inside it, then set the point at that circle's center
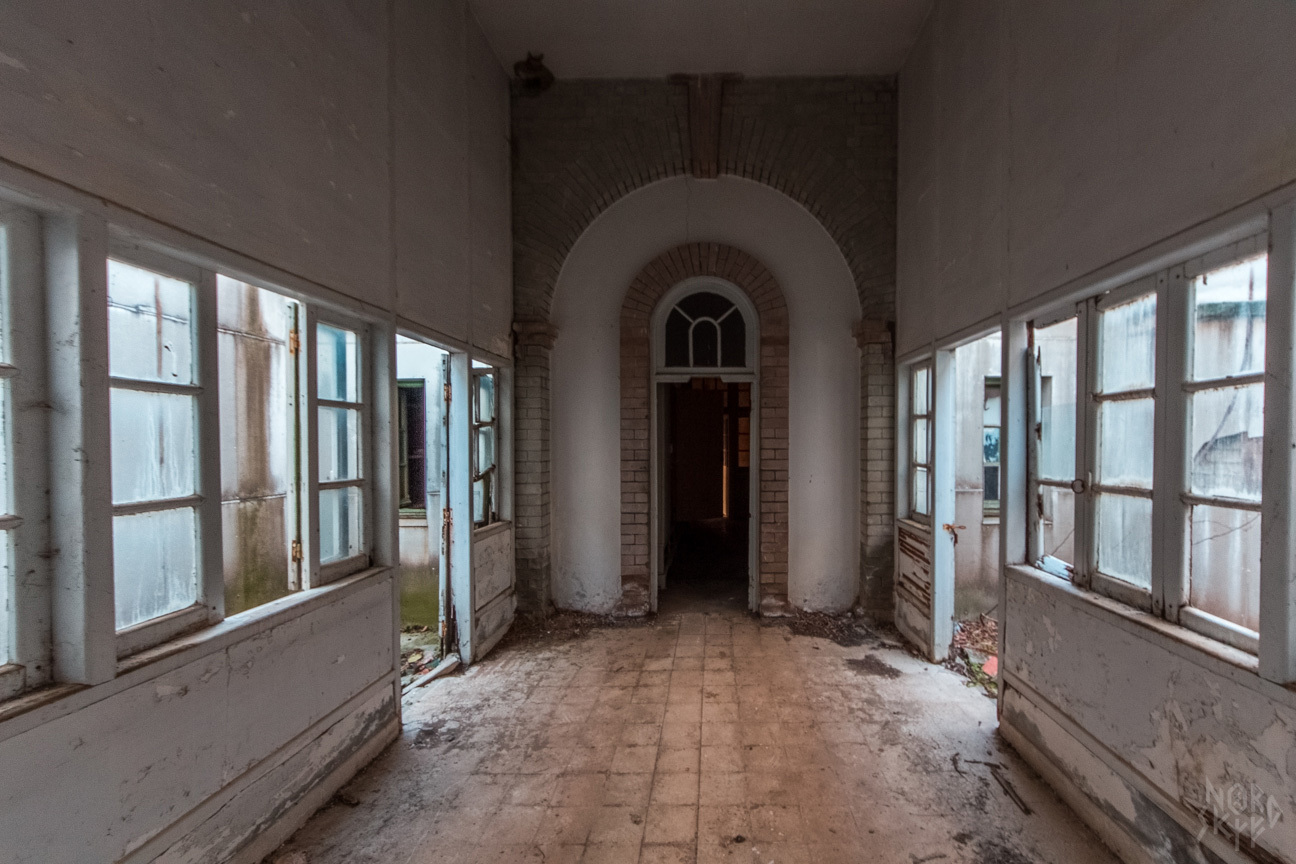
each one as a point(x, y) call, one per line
point(697, 739)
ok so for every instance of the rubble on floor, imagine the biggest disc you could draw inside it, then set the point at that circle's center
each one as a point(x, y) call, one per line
point(974, 652)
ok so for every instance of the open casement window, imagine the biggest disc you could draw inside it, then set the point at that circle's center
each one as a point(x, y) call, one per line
point(342, 420)
point(1222, 393)
point(1121, 418)
point(920, 437)
point(485, 439)
point(1152, 494)
point(160, 336)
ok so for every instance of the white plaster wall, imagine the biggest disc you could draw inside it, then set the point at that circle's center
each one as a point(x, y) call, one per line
point(98, 779)
point(262, 128)
point(824, 381)
point(1041, 141)
point(1164, 714)
point(451, 198)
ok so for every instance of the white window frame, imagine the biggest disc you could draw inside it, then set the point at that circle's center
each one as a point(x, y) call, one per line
point(910, 458)
point(1168, 594)
point(28, 655)
point(209, 605)
point(742, 306)
point(324, 573)
point(492, 475)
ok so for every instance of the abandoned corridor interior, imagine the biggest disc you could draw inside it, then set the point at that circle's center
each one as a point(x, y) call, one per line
point(485, 430)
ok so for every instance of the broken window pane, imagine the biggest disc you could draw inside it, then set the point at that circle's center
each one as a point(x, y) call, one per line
point(1056, 345)
point(339, 518)
point(1125, 443)
point(1127, 346)
point(150, 325)
point(1227, 441)
point(155, 564)
point(1229, 320)
point(1124, 531)
point(1225, 563)
point(152, 446)
point(1057, 523)
point(258, 384)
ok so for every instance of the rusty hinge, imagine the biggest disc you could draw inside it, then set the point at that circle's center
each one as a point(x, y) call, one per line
point(447, 518)
point(445, 393)
point(297, 550)
point(294, 341)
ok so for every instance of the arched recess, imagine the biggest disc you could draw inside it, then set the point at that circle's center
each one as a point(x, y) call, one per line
point(569, 445)
point(642, 308)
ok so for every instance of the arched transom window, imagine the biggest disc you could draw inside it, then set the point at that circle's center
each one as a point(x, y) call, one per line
point(705, 330)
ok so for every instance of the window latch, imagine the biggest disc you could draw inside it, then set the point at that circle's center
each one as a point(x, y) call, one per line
point(953, 530)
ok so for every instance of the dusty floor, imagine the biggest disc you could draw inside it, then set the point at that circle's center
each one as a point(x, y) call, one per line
point(697, 738)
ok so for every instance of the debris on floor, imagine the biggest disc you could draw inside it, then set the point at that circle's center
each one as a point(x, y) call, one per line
point(561, 626)
point(973, 653)
point(845, 630)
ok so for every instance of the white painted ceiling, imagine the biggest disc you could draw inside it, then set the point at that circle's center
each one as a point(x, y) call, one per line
point(655, 38)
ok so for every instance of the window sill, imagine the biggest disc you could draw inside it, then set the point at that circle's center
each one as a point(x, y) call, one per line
point(41, 706)
point(1212, 655)
point(493, 528)
point(148, 634)
point(341, 569)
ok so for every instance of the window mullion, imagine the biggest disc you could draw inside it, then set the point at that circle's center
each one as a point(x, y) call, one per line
point(1169, 459)
point(210, 543)
point(1086, 458)
point(310, 468)
point(1278, 543)
point(85, 647)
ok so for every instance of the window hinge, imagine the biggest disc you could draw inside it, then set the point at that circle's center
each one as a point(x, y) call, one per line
point(447, 518)
point(297, 550)
point(294, 341)
point(445, 393)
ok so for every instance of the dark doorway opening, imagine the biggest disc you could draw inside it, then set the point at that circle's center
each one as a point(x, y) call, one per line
point(708, 495)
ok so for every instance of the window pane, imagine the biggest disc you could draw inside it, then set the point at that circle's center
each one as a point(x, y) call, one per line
point(1057, 523)
point(6, 603)
point(1127, 346)
point(257, 380)
point(339, 444)
point(733, 340)
point(920, 497)
point(677, 339)
point(1229, 320)
point(337, 355)
point(990, 485)
point(1057, 356)
point(485, 398)
point(706, 343)
point(1125, 538)
point(6, 503)
point(1125, 443)
point(921, 390)
point(155, 564)
point(340, 512)
point(152, 446)
point(921, 442)
point(990, 445)
point(1226, 564)
point(1227, 440)
point(150, 325)
point(705, 304)
point(481, 500)
point(485, 448)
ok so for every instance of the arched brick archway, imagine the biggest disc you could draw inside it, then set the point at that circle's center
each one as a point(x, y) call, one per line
point(770, 516)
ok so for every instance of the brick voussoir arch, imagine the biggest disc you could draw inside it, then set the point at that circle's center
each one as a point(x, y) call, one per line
point(771, 513)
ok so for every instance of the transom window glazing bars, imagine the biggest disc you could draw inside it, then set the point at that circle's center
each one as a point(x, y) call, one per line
point(1160, 475)
point(705, 330)
point(341, 417)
